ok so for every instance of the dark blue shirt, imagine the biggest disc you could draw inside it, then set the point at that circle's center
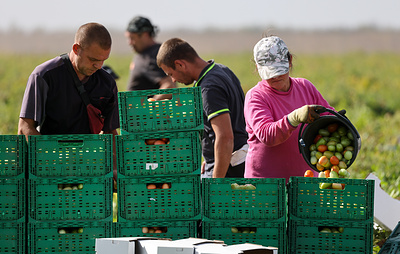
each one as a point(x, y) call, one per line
point(52, 99)
point(222, 94)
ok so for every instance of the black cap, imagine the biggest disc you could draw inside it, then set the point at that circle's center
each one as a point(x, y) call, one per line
point(139, 25)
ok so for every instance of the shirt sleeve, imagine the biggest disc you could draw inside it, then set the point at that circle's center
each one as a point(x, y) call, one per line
point(34, 100)
point(259, 120)
point(214, 101)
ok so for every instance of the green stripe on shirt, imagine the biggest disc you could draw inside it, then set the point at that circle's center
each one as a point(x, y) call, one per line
point(217, 112)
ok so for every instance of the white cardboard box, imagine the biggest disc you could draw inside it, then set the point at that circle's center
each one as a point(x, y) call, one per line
point(128, 245)
point(186, 246)
point(248, 248)
point(386, 208)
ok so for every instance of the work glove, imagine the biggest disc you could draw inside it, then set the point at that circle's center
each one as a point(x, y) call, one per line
point(305, 114)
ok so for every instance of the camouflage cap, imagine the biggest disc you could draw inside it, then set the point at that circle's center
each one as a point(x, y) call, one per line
point(139, 25)
point(271, 57)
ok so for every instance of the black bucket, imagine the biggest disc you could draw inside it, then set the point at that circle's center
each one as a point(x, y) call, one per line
point(306, 137)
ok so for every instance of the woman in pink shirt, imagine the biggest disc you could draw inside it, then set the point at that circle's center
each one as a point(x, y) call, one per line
point(273, 109)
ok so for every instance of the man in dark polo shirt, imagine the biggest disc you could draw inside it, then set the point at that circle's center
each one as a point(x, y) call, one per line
point(144, 72)
point(225, 137)
point(52, 103)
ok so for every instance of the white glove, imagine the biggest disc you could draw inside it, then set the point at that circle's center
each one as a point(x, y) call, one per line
point(305, 114)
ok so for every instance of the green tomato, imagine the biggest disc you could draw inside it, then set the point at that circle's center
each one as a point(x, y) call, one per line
point(350, 135)
point(339, 147)
point(313, 147)
point(321, 141)
point(348, 155)
point(313, 160)
point(324, 132)
point(339, 155)
point(345, 141)
point(234, 230)
point(325, 185)
point(342, 131)
point(333, 174)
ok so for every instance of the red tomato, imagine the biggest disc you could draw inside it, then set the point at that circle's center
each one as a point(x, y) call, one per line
point(317, 138)
point(332, 127)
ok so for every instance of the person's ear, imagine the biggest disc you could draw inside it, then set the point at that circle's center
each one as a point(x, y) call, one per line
point(76, 47)
point(179, 64)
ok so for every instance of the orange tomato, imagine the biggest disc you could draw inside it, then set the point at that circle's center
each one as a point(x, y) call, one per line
point(335, 168)
point(151, 186)
point(334, 160)
point(159, 142)
point(309, 173)
point(327, 173)
point(150, 141)
point(166, 140)
point(322, 148)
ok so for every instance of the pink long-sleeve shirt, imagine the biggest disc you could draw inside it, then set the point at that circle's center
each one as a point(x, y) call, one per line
point(273, 141)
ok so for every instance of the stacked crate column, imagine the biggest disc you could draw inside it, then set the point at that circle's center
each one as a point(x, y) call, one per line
point(70, 189)
point(13, 161)
point(334, 220)
point(238, 210)
point(159, 160)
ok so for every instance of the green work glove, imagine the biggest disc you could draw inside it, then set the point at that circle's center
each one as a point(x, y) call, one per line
point(305, 114)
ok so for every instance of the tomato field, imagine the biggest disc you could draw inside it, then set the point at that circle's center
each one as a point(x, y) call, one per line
point(364, 84)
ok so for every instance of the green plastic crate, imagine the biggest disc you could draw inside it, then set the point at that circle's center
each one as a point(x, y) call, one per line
point(307, 200)
point(12, 237)
point(171, 229)
point(180, 201)
point(66, 237)
point(182, 155)
point(305, 237)
point(84, 155)
point(392, 244)
point(138, 114)
point(12, 199)
point(266, 232)
point(13, 154)
point(70, 198)
point(222, 200)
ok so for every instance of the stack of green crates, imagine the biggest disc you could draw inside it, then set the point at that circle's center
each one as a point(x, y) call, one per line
point(335, 221)
point(159, 185)
point(12, 194)
point(238, 210)
point(70, 189)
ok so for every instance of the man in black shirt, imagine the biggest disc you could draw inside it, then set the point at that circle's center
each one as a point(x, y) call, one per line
point(144, 72)
point(224, 142)
point(52, 103)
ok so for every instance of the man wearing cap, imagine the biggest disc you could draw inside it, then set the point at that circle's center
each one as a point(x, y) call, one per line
point(273, 110)
point(144, 72)
point(224, 145)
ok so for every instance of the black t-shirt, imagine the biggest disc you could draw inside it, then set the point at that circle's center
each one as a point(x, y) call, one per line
point(52, 99)
point(146, 74)
point(222, 93)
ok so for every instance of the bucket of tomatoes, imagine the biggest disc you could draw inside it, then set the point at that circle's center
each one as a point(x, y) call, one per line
point(330, 143)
